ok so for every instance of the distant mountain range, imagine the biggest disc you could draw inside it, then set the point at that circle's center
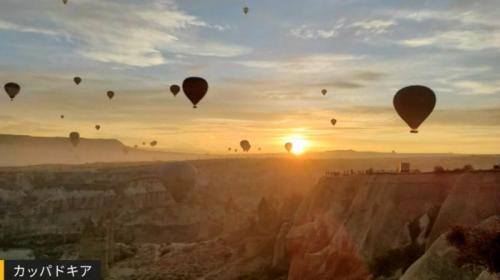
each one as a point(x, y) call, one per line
point(21, 150)
point(367, 154)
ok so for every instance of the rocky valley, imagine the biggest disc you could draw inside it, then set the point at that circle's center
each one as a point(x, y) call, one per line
point(246, 218)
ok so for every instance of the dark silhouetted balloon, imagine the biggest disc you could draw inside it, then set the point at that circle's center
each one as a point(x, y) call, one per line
point(324, 91)
point(229, 149)
point(235, 150)
point(12, 89)
point(246, 10)
point(62, 116)
point(175, 89)
point(333, 122)
point(289, 146)
point(153, 143)
point(97, 127)
point(179, 179)
point(74, 138)
point(245, 145)
point(110, 94)
point(77, 80)
point(195, 88)
point(414, 104)
point(144, 143)
point(65, 2)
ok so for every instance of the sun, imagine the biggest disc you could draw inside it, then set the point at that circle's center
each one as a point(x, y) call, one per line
point(299, 145)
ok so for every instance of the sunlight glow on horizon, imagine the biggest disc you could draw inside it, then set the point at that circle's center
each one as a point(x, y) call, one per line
point(300, 144)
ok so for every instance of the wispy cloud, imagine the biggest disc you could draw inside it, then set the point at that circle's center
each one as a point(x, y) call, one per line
point(367, 27)
point(5, 25)
point(477, 88)
point(317, 63)
point(124, 33)
point(460, 40)
point(376, 27)
point(309, 32)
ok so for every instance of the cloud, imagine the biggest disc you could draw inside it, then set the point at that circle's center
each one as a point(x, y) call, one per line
point(460, 40)
point(359, 28)
point(479, 15)
point(316, 63)
point(373, 26)
point(308, 32)
point(467, 117)
point(123, 33)
point(477, 88)
point(4, 25)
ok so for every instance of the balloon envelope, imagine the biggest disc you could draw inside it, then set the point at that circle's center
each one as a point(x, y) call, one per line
point(195, 88)
point(74, 138)
point(333, 122)
point(245, 145)
point(179, 178)
point(12, 89)
point(246, 10)
point(414, 104)
point(324, 91)
point(153, 143)
point(65, 2)
point(77, 80)
point(289, 146)
point(175, 89)
point(97, 127)
point(110, 94)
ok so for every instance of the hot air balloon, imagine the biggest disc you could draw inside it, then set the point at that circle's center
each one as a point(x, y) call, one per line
point(235, 150)
point(62, 116)
point(259, 149)
point(144, 143)
point(195, 89)
point(97, 127)
point(12, 89)
point(245, 145)
point(77, 80)
point(324, 91)
point(229, 149)
point(289, 146)
point(175, 89)
point(333, 122)
point(246, 10)
point(153, 143)
point(65, 2)
point(74, 137)
point(179, 177)
point(414, 104)
point(110, 94)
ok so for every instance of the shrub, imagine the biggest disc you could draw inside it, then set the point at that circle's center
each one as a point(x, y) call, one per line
point(476, 247)
point(439, 169)
point(468, 167)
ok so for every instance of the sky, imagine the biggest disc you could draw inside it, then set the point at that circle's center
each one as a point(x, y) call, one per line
point(265, 70)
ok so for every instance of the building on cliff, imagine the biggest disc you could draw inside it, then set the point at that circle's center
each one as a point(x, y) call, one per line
point(404, 167)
